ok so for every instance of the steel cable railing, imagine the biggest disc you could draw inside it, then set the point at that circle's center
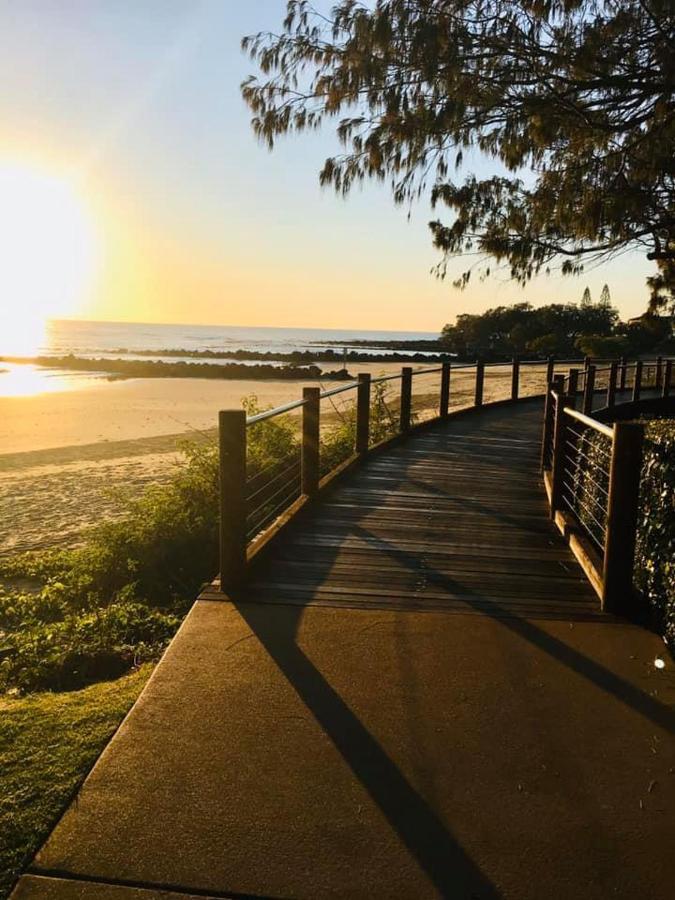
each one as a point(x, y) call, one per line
point(585, 479)
point(266, 501)
point(426, 388)
point(553, 398)
point(592, 471)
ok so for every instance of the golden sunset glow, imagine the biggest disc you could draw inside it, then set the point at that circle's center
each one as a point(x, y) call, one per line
point(48, 253)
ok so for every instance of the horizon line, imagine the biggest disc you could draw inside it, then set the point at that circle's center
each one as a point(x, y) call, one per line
point(221, 325)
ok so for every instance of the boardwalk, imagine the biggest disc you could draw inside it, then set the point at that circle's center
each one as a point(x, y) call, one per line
point(452, 520)
point(415, 697)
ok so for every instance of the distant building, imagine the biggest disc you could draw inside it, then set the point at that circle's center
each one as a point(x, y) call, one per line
point(637, 320)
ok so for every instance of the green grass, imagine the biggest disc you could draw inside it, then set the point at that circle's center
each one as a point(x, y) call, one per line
point(48, 743)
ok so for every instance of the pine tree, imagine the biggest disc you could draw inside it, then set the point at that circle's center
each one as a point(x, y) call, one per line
point(586, 300)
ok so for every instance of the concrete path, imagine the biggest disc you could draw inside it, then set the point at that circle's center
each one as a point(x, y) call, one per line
point(462, 749)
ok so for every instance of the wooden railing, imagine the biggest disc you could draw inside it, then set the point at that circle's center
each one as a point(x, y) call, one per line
point(256, 502)
point(592, 469)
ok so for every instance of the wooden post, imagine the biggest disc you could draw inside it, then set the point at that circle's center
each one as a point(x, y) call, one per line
point(406, 397)
point(232, 442)
point(550, 369)
point(480, 378)
point(547, 434)
point(611, 385)
point(363, 413)
point(515, 378)
point(444, 405)
point(589, 390)
point(587, 362)
point(622, 516)
point(667, 376)
point(637, 383)
point(659, 372)
point(559, 448)
point(573, 386)
point(624, 373)
point(311, 412)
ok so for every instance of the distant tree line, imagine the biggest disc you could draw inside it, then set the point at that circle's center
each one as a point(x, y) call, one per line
point(561, 329)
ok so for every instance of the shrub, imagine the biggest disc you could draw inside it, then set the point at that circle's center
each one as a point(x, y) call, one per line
point(603, 346)
point(84, 647)
point(655, 549)
point(337, 443)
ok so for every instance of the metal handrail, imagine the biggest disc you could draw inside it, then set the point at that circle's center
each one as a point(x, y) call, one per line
point(277, 411)
point(352, 385)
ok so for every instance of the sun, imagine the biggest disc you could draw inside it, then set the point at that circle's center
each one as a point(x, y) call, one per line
point(49, 253)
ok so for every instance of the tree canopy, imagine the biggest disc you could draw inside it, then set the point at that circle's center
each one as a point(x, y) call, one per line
point(562, 329)
point(575, 98)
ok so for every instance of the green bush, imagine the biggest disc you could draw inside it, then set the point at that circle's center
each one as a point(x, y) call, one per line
point(655, 549)
point(84, 647)
point(337, 443)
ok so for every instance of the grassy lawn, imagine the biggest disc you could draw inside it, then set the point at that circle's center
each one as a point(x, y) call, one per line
point(48, 743)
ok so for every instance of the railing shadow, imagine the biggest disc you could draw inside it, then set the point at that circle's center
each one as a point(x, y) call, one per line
point(418, 826)
point(641, 702)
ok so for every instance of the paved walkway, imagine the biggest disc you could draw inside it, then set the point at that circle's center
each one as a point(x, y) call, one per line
point(417, 697)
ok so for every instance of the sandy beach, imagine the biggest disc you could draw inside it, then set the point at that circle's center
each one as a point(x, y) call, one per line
point(68, 457)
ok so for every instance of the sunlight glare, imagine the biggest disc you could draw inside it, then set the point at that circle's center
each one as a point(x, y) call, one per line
point(48, 254)
point(26, 380)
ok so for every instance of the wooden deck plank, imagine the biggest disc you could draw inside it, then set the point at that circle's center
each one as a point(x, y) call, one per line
point(454, 519)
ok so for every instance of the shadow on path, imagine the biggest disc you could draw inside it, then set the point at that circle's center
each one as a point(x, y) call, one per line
point(420, 829)
point(632, 696)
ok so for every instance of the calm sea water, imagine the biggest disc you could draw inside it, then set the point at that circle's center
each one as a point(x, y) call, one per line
point(102, 340)
point(105, 339)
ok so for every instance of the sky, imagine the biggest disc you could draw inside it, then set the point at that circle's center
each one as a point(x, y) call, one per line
point(134, 106)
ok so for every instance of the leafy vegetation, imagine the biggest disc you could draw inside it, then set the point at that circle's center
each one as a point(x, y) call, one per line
point(655, 550)
point(48, 742)
point(562, 329)
point(654, 573)
point(573, 101)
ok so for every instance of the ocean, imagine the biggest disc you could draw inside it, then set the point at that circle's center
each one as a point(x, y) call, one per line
point(109, 340)
point(106, 339)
